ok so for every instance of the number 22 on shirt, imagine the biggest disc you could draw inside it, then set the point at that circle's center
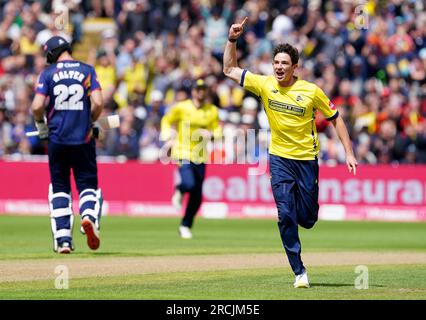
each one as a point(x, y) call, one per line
point(68, 97)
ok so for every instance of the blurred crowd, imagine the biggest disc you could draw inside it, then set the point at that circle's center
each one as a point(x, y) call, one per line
point(368, 56)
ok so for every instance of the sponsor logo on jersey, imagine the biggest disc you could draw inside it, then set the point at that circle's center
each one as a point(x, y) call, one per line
point(61, 65)
point(71, 65)
point(286, 108)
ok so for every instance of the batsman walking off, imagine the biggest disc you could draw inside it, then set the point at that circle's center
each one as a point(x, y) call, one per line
point(290, 104)
point(196, 121)
point(74, 103)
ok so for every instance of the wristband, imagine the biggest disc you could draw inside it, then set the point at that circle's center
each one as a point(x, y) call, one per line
point(232, 40)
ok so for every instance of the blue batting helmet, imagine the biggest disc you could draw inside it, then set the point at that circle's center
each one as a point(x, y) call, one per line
point(54, 47)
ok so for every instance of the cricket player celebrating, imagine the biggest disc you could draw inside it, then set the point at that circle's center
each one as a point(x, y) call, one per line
point(290, 104)
point(196, 121)
point(74, 103)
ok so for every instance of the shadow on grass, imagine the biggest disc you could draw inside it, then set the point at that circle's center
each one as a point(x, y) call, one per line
point(331, 285)
point(341, 285)
point(111, 254)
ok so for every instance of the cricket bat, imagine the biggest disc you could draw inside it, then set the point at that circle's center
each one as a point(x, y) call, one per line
point(108, 122)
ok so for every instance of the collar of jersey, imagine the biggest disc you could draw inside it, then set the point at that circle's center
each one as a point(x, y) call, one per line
point(285, 89)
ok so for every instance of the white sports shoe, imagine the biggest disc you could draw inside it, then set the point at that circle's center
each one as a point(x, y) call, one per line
point(185, 232)
point(177, 200)
point(64, 248)
point(301, 281)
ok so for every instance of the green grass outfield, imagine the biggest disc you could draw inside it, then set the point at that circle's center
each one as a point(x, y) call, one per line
point(29, 239)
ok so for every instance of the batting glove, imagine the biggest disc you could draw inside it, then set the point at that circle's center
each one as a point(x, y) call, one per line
point(43, 130)
point(98, 132)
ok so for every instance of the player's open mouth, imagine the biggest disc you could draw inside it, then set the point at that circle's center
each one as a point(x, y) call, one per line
point(280, 74)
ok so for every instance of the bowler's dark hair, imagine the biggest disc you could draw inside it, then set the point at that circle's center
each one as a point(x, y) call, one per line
point(289, 49)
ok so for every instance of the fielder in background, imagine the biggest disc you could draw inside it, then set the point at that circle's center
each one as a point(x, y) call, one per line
point(196, 121)
point(290, 104)
point(74, 103)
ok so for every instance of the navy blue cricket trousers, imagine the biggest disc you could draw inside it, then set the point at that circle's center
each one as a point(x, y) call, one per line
point(81, 159)
point(295, 189)
point(192, 178)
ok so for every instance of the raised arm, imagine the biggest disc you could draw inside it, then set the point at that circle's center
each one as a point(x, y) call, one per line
point(230, 63)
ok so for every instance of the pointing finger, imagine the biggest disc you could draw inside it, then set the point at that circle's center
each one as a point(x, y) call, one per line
point(244, 22)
